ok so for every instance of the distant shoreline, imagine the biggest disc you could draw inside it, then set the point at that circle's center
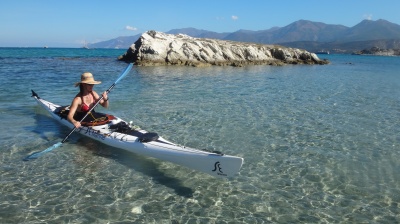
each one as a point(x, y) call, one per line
point(378, 52)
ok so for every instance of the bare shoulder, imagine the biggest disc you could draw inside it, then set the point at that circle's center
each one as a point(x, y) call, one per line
point(95, 94)
point(77, 100)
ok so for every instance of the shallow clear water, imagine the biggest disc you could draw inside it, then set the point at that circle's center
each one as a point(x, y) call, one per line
point(320, 143)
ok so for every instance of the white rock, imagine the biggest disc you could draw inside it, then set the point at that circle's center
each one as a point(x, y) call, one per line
point(157, 48)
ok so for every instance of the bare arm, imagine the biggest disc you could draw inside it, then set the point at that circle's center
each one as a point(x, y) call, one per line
point(72, 110)
point(104, 102)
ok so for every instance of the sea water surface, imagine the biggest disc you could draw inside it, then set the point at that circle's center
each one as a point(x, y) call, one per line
point(320, 144)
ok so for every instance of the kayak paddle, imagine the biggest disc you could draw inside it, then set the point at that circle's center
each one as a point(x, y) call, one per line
point(37, 154)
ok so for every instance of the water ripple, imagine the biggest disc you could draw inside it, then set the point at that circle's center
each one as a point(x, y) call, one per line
point(320, 143)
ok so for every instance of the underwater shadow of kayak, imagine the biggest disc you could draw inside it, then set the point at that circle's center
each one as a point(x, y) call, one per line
point(44, 125)
point(146, 166)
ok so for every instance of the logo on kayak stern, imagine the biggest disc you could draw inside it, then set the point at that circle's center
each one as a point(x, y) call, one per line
point(218, 169)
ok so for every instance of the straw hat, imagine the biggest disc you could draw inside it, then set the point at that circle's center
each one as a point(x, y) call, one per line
point(87, 78)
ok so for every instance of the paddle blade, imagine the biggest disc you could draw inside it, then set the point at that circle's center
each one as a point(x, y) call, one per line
point(35, 155)
point(124, 73)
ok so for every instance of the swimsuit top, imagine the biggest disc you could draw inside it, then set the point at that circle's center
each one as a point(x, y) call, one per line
point(85, 107)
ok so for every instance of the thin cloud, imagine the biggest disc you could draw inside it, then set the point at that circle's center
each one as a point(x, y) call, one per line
point(368, 16)
point(131, 28)
point(234, 17)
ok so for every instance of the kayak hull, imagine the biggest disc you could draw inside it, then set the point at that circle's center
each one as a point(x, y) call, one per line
point(215, 164)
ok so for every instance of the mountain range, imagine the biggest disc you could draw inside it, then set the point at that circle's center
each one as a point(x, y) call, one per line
point(303, 34)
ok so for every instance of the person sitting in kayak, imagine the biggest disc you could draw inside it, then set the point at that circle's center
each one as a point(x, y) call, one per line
point(85, 99)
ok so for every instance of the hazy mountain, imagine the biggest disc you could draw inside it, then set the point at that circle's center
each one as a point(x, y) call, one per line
point(246, 35)
point(301, 30)
point(308, 31)
point(119, 42)
point(312, 36)
point(372, 30)
point(199, 33)
point(304, 30)
point(365, 35)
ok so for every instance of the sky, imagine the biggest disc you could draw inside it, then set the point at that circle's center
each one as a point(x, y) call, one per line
point(71, 23)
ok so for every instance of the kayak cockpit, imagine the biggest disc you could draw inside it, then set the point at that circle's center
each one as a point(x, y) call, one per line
point(93, 119)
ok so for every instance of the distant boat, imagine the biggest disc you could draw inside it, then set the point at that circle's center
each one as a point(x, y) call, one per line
point(45, 47)
point(322, 52)
point(85, 45)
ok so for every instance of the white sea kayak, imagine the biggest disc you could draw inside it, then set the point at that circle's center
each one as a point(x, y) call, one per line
point(114, 131)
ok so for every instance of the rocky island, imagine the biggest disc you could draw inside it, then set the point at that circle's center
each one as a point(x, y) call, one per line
point(379, 52)
point(157, 48)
